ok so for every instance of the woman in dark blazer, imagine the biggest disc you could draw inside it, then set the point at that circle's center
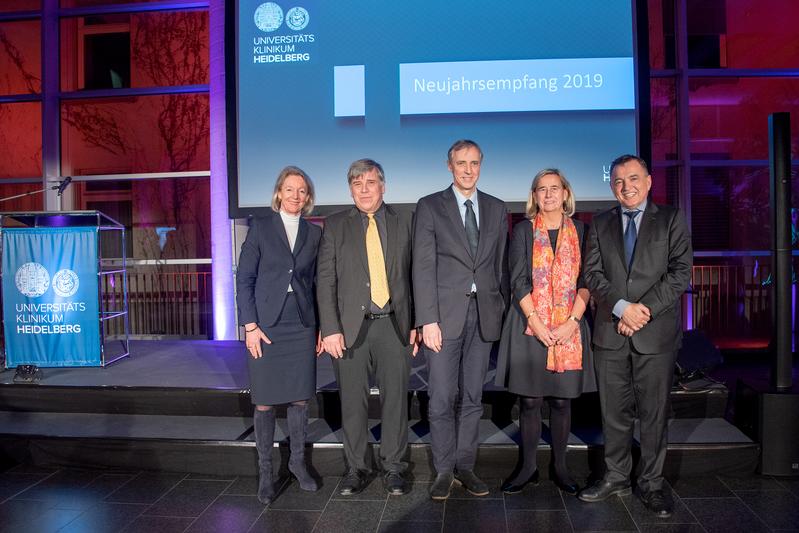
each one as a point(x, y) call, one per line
point(275, 296)
point(545, 349)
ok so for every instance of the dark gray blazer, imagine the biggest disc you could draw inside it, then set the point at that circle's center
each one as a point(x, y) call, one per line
point(660, 274)
point(443, 267)
point(267, 266)
point(342, 280)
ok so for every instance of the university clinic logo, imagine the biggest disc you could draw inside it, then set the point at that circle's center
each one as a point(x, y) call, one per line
point(269, 17)
point(33, 280)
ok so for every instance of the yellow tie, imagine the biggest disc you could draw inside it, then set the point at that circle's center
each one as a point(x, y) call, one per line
point(377, 264)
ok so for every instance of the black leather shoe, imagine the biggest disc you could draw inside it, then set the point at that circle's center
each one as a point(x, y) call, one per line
point(354, 481)
point(569, 487)
point(514, 487)
point(657, 502)
point(442, 486)
point(603, 489)
point(395, 483)
point(473, 484)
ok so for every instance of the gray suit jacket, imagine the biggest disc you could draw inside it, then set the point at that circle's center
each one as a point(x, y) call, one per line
point(444, 269)
point(267, 266)
point(660, 274)
point(342, 281)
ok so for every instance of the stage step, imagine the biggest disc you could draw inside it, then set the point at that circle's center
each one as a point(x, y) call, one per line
point(224, 445)
point(499, 406)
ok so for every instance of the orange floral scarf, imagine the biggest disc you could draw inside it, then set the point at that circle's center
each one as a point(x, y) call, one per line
point(555, 289)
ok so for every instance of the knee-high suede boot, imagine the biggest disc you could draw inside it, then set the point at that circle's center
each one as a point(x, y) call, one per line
point(298, 421)
point(264, 422)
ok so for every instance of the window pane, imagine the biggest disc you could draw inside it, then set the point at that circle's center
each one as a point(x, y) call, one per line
point(20, 57)
point(666, 185)
point(34, 202)
point(729, 208)
point(729, 116)
point(134, 50)
point(166, 133)
point(21, 140)
point(20, 5)
point(663, 96)
point(661, 34)
point(743, 33)
point(165, 218)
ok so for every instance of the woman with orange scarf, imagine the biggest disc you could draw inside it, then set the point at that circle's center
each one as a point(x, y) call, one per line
point(545, 349)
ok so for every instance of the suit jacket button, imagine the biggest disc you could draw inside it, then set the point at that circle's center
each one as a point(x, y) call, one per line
point(367, 283)
point(291, 270)
point(363, 308)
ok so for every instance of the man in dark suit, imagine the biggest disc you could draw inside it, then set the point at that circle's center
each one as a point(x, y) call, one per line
point(637, 266)
point(365, 308)
point(460, 285)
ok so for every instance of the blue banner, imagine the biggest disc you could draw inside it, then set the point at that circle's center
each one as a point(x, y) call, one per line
point(50, 298)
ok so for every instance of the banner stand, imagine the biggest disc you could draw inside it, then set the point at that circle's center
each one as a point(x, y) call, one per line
point(57, 311)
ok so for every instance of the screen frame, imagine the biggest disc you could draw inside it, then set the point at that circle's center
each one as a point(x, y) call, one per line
point(643, 116)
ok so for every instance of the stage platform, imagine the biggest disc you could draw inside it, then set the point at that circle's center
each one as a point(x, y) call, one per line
point(184, 406)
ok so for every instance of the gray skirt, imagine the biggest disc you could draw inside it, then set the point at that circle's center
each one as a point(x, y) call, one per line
point(286, 372)
point(522, 363)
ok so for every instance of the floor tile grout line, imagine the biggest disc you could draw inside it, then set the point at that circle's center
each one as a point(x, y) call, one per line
point(326, 504)
point(382, 513)
point(51, 474)
point(229, 484)
point(566, 509)
point(630, 513)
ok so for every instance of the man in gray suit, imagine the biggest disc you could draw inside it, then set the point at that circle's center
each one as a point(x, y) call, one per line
point(363, 291)
point(460, 285)
point(637, 265)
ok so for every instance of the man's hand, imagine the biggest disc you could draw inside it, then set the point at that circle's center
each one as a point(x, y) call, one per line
point(253, 338)
point(431, 336)
point(319, 347)
point(334, 345)
point(414, 342)
point(623, 329)
point(636, 316)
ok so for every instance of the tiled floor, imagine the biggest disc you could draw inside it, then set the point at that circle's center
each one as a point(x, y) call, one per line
point(35, 500)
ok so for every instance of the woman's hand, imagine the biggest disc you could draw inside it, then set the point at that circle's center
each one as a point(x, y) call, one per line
point(565, 331)
point(252, 340)
point(540, 331)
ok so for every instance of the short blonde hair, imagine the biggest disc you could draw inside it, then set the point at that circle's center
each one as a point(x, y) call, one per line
point(569, 205)
point(281, 178)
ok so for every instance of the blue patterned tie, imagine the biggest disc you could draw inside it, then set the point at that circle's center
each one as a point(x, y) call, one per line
point(630, 236)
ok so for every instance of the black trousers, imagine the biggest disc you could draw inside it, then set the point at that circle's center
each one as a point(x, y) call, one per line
point(456, 376)
point(633, 384)
point(378, 351)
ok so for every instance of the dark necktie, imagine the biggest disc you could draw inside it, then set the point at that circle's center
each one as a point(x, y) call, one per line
point(472, 233)
point(630, 236)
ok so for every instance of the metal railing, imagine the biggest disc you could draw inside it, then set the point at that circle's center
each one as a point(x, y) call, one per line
point(164, 303)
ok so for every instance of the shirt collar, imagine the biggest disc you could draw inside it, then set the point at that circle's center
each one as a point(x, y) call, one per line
point(461, 198)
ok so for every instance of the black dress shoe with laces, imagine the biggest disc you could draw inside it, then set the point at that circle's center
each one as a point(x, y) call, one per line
point(657, 502)
point(354, 481)
point(603, 489)
point(512, 486)
point(473, 484)
point(394, 483)
point(442, 486)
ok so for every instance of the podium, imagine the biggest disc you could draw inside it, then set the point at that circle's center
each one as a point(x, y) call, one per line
point(54, 312)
